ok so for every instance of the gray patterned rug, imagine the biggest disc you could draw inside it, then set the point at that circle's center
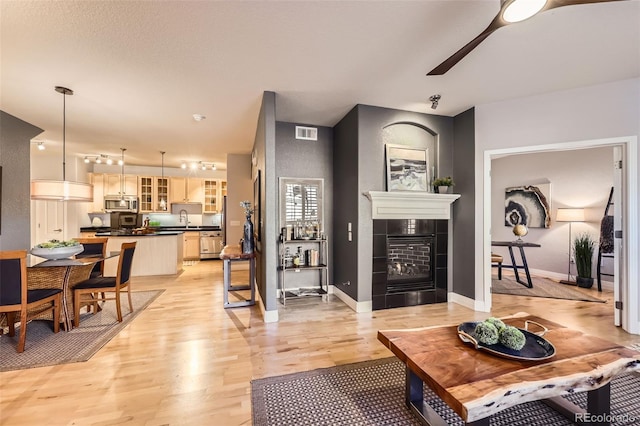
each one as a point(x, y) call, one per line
point(43, 347)
point(372, 393)
point(542, 287)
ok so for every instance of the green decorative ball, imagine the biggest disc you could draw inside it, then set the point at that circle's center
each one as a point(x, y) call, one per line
point(486, 333)
point(497, 323)
point(512, 338)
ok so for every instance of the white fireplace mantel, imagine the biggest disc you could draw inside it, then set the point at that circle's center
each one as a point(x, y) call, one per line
point(410, 205)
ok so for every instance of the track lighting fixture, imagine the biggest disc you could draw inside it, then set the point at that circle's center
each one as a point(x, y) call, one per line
point(41, 146)
point(434, 99)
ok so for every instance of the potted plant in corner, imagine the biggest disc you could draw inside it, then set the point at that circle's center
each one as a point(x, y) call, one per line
point(443, 184)
point(583, 248)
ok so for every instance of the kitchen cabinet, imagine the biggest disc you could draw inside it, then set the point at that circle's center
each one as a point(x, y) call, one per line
point(186, 190)
point(97, 180)
point(113, 185)
point(152, 190)
point(214, 191)
point(191, 245)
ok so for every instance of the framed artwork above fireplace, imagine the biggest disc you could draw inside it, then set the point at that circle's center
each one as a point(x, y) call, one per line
point(407, 168)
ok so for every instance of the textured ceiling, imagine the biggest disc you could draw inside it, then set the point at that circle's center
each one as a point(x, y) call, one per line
point(141, 69)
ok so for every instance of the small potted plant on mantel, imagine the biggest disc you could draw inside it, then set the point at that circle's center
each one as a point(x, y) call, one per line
point(583, 249)
point(443, 184)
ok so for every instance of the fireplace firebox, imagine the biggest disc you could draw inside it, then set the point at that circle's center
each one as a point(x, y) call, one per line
point(409, 262)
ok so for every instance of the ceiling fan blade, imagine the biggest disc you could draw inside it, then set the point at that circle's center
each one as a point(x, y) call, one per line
point(464, 51)
point(497, 23)
point(552, 4)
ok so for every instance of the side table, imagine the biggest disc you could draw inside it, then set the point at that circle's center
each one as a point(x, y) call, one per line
point(231, 254)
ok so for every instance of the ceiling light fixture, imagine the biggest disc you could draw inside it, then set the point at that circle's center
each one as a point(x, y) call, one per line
point(86, 160)
point(163, 202)
point(519, 10)
point(199, 117)
point(434, 99)
point(41, 146)
point(184, 165)
point(62, 190)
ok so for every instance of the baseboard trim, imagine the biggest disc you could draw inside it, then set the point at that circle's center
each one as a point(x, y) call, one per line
point(356, 306)
point(267, 316)
point(475, 305)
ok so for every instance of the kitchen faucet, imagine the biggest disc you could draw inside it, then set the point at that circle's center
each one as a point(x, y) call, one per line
point(186, 218)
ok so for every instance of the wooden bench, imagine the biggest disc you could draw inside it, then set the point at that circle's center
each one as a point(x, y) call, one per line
point(231, 254)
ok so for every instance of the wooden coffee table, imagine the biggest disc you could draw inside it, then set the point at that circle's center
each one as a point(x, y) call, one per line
point(477, 384)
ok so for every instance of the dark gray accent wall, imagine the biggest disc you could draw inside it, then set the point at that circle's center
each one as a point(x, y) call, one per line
point(308, 159)
point(464, 220)
point(345, 204)
point(265, 160)
point(15, 138)
point(359, 154)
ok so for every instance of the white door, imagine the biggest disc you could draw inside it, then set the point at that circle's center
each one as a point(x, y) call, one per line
point(618, 208)
point(49, 221)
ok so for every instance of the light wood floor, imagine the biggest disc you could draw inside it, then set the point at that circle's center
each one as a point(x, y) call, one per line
point(187, 361)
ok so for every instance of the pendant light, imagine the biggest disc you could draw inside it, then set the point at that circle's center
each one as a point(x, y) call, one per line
point(163, 202)
point(123, 203)
point(62, 190)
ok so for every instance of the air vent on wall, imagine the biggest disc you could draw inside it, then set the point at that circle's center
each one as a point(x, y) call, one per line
point(307, 133)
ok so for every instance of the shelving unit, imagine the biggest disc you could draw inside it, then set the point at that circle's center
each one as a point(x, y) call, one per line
point(288, 267)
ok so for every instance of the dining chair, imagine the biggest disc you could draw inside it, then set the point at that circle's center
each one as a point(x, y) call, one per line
point(15, 297)
point(94, 246)
point(96, 288)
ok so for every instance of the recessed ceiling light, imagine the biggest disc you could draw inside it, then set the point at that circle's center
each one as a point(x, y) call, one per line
point(199, 117)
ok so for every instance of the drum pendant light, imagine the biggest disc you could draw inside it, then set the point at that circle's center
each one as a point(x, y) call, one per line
point(62, 190)
point(163, 202)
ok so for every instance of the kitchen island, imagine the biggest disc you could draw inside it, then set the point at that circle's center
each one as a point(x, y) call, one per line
point(160, 253)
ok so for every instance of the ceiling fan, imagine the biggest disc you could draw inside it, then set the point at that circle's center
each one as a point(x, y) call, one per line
point(511, 11)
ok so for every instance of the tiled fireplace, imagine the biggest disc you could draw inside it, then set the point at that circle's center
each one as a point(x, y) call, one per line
point(410, 248)
point(409, 262)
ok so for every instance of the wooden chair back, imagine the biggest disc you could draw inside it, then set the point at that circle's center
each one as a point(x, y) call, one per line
point(94, 246)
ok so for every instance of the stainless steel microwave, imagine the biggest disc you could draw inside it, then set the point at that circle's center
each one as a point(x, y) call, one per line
point(116, 203)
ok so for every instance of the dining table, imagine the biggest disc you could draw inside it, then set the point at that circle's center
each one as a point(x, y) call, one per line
point(63, 274)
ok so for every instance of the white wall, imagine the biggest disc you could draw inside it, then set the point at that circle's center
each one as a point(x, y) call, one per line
point(578, 178)
point(605, 111)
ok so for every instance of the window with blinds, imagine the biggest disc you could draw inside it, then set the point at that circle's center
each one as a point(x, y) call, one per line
point(301, 200)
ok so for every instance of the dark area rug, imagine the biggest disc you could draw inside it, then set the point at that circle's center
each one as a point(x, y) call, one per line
point(372, 393)
point(43, 347)
point(542, 287)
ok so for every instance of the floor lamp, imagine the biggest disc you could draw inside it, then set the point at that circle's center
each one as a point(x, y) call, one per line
point(569, 215)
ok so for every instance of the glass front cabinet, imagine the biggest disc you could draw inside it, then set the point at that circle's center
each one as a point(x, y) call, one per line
point(154, 192)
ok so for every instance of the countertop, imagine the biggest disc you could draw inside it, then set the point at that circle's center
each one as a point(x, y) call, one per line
point(102, 229)
point(126, 235)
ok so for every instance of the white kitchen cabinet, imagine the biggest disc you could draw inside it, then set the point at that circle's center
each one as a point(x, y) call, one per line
point(97, 180)
point(153, 189)
point(113, 184)
point(214, 191)
point(186, 190)
point(191, 245)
